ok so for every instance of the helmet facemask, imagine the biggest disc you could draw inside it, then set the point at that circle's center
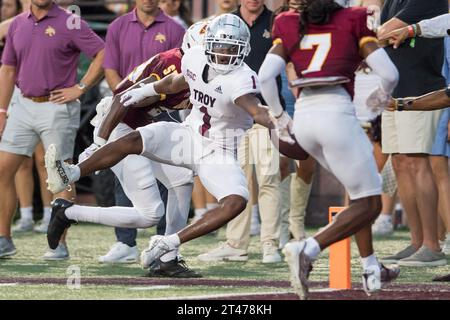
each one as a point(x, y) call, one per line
point(225, 55)
point(227, 43)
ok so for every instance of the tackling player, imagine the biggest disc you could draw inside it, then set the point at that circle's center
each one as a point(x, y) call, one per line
point(136, 173)
point(326, 43)
point(223, 92)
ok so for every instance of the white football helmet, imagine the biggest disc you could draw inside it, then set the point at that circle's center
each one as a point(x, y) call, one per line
point(227, 43)
point(194, 35)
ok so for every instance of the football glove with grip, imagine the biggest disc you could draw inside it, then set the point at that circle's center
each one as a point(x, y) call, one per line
point(284, 124)
point(378, 100)
point(136, 95)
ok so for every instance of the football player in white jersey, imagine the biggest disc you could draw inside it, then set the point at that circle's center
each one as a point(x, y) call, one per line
point(137, 173)
point(223, 92)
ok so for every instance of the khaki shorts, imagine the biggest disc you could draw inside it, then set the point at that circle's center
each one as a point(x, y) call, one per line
point(409, 131)
point(30, 122)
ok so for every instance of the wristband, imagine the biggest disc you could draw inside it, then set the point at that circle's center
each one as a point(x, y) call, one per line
point(411, 31)
point(3, 110)
point(447, 91)
point(99, 141)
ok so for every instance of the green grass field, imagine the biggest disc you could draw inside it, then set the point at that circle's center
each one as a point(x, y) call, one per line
point(87, 242)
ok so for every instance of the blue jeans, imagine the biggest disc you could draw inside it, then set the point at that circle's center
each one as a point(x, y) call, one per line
point(124, 235)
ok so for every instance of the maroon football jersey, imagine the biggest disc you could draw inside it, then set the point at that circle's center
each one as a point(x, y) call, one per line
point(326, 50)
point(160, 65)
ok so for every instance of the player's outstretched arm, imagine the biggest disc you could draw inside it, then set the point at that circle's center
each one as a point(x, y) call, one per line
point(168, 85)
point(378, 60)
point(430, 101)
point(250, 103)
point(118, 111)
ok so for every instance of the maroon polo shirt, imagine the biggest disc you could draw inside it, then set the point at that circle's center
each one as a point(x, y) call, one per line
point(46, 52)
point(129, 43)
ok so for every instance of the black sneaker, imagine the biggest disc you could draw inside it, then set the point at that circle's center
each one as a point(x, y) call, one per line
point(58, 222)
point(172, 269)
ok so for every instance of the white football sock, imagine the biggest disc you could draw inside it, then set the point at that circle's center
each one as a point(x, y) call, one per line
point(26, 213)
point(124, 217)
point(76, 173)
point(385, 217)
point(210, 206)
point(173, 240)
point(199, 212)
point(369, 261)
point(177, 212)
point(312, 248)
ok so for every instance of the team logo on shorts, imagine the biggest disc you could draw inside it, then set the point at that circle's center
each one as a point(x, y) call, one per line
point(266, 34)
point(160, 37)
point(50, 31)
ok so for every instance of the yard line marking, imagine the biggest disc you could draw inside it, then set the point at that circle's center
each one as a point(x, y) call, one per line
point(145, 288)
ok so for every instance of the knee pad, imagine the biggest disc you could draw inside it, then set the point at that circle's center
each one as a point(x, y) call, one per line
point(138, 170)
point(152, 214)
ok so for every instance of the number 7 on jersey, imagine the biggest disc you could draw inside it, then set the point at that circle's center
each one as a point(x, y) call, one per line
point(322, 42)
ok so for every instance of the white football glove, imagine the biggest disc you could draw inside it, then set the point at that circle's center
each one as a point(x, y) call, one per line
point(284, 125)
point(102, 109)
point(136, 95)
point(378, 100)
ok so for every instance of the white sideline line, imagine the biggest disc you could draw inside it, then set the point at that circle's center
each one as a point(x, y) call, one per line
point(222, 295)
point(12, 284)
point(147, 288)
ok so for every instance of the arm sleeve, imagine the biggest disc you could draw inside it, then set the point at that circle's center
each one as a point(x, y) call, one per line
point(271, 68)
point(9, 53)
point(382, 65)
point(112, 49)
point(87, 41)
point(245, 83)
point(435, 28)
point(416, 10)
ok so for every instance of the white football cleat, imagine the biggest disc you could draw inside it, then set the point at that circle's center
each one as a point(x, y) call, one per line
point(60, 174)
point(157, 247)
point(300, 265)
point(371, 279)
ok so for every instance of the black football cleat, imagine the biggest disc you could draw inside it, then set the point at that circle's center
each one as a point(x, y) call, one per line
point(445, 278)
point(172, 269)
point(58, 222)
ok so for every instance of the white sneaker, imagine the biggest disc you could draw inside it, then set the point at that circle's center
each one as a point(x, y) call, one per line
point(270, 253)
point(157, 247)
point(382, 226)
point(23, 225)
point(446, 245)
point(224, 252)
point(120, 253)
point(42, 227)
point(60, 253)
point(371, 280)
point(60, 174)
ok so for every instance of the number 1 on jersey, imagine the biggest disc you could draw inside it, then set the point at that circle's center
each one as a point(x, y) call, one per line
point(322, 42)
